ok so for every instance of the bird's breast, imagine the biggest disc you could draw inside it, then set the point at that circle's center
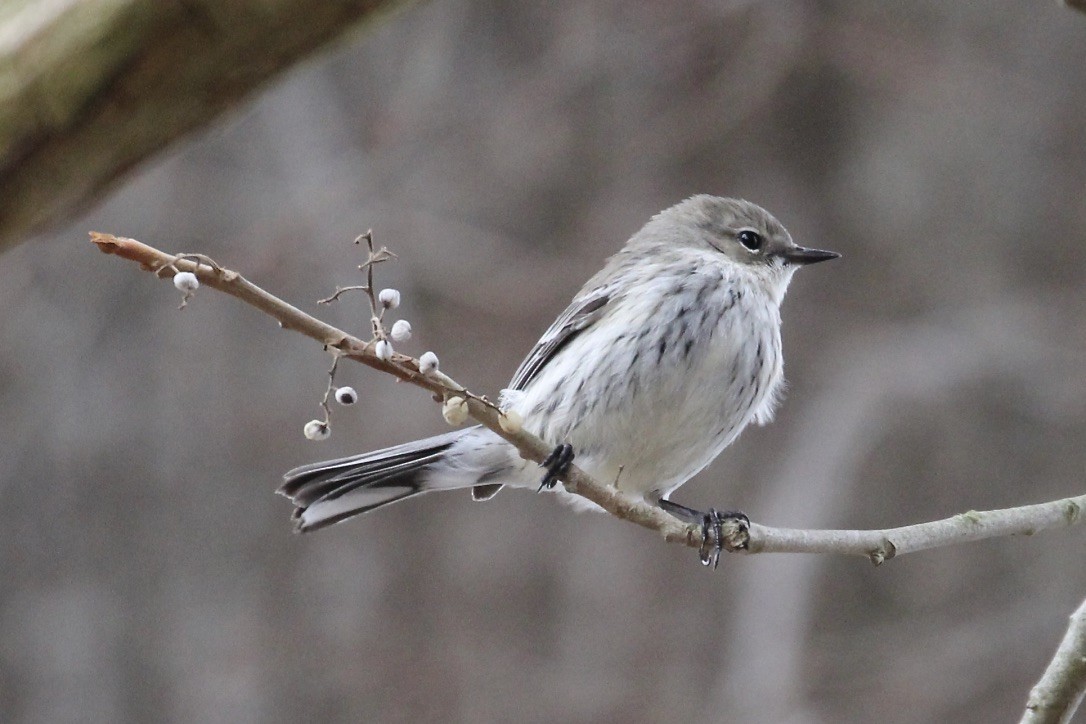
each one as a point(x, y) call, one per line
point(665, 381)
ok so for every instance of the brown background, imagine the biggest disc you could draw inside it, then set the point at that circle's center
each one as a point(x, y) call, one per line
point(150, 574)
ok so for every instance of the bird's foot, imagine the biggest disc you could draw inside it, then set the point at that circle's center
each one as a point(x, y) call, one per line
point(713, 539)
point(557, 463)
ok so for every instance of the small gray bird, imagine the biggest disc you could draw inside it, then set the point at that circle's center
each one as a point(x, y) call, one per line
point(659, 363)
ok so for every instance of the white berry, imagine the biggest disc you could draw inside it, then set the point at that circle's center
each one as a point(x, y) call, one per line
point(455, 411)
point(346, 396)
point(186, 282)
point(317, 430)
point(428, 363)
point(389, 298)
point(511, 421)
point(383, 350)
point(401, 330)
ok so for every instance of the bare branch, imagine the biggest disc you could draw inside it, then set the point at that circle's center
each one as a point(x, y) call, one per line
point(882, 545)
point(1058, 694)
point(876, 545)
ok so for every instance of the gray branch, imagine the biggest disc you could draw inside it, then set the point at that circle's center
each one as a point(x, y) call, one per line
point(1060, 691)
point(882, 545)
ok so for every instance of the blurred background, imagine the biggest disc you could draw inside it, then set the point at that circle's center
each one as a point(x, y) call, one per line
point(503, 151)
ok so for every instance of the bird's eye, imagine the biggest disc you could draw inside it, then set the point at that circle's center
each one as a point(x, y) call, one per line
point(750, 239)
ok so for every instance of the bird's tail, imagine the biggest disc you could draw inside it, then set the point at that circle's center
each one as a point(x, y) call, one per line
point(334, 490)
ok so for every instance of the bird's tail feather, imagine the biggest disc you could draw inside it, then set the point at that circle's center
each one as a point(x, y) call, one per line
point(334, 490)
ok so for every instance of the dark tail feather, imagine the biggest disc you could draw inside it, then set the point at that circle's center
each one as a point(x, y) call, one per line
point(329, 492)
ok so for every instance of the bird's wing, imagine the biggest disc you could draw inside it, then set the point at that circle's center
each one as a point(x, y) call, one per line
point(580, 315)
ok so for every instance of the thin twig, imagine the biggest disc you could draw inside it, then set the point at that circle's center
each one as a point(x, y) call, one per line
point(1060, 691)
point(876, 545)
point(343, 290)
point(373, 258)
point(329, 389)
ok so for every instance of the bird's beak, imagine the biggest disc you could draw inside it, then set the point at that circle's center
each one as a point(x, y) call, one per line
point(801, 256)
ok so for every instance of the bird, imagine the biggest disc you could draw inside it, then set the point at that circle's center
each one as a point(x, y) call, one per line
point(657, 365)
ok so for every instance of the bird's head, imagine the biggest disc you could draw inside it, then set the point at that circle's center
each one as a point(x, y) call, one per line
point(740, 232)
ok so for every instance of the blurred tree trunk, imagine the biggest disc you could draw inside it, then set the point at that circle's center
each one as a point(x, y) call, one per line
point(89, 88)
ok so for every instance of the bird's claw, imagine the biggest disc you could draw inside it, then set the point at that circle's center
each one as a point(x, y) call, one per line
point(715, 536)
point(556, 464)
point(713, 539)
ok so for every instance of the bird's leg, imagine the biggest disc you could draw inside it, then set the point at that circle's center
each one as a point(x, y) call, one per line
point(557, 463)
point(712, 528)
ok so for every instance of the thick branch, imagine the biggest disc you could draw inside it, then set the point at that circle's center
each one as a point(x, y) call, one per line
point(877, 545)
point(1060, 691)
point(89, 88)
